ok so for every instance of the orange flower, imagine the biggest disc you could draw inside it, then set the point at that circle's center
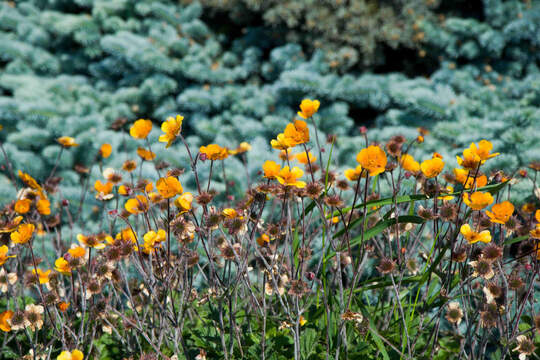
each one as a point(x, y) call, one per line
point(230, 213)
point(3, 254)
point(63, 306)
point(67, 141)
point(22, 206)
point(70, 355)
point(5, 318)
point(214, 152)
point(77, 252)
point(286, 155)
point(308, 107)
point(528, 208)
point(373, 159)
point(289, 177)
point(105, 150)
point(298, 133)
point(30, 181)
point(43, 276)
point(44, 206)
point(129, 165)
point(537, 216)
point(62, 266)
point(263, 240)
point(477, 200)
point(354, 174)
point(137, 205)
point(432, 167)
point(408, 163)
point(127, 235)
point(483, 150)
point(473, 236)
point(463, 175)
point(535, 233)
point(146, 154)
point(303, 158)
point(140, 129)
point(172, 128)
point(103, 190)
point(183, 202)
point(271, 169)
point(169, 187)
point(500, 213)
point(23, 234)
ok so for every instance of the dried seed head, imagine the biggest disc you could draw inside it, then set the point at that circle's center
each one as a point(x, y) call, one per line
point(334, 201)
point(204, 198)
point(492, 252)
point(393, 148)
point(386, 266)
point(454, 314)
point(298, 288)
point(342, 185)
point(448, 212)
point(313, 190)
point(488, 317)
point(515, 283)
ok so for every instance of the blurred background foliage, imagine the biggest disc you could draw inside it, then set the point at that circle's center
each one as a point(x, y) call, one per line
point(238, 69)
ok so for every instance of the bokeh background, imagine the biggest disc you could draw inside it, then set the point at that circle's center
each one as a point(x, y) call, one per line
point(237, 70)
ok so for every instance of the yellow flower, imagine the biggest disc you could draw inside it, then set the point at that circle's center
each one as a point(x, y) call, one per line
point(214, 152)
point(93, 241)
point(127, 235)
point(22, 206)
point(44, 206)
point(408, 163)
point(12, 225)
point(282, 143)
point(62, 266)
point(474, 156)
point(289, 177)
point(448, 189)
point(3, 254)
point(308, 107)
point(155, 237)
point(373, 159)
point(535, 233)
point(183, 202)
point(137, 205)
point(302, 320)
point(477, 200)
point(473, 236)
point(172, 128)
point(67, 141)
point(105, 150)
point(271, 169)
point(43, 276)
point(354, 174)
point(537, 216)
point(146, 154)
point(169, 187)
point(5, 319)
point(432, 167)
point(303, 158)
point(70, 355)
point(242, 148)
point(500, 213)
point(23, 234)
point(140, 129)
point(230, 213)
